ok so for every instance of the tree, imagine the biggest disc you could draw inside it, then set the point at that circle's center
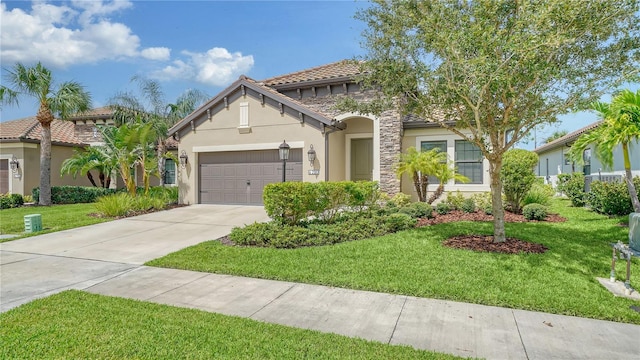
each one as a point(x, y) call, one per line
point(85, 160)
point(556, 135)
point(422, 164)
point(67, 99)
point(620, 127)
point(483, 69)
point(151, 108)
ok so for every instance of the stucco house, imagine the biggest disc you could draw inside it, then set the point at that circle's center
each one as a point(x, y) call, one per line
point(554, 159)
point(20, 147)
point(230, 144)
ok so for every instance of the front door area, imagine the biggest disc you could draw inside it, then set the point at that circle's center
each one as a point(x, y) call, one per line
point(362, 159)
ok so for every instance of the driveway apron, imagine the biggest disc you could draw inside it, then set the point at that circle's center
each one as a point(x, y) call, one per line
point(42, 265)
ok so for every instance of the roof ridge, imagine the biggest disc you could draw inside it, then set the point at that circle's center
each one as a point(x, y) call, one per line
point(271, 79)
point(569, 136)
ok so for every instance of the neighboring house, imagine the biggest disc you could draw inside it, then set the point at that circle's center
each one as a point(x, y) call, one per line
point(554, 159)
point(20, 143)
point(230, 143)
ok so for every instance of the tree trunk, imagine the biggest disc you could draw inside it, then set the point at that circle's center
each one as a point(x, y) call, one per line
point(102, 179)
point(629, 178)
point(45, 117)
point(90, 177)
point(424, 182)
point(161, 160)
point(439, 191)
point(416, 183)
point(496, 200)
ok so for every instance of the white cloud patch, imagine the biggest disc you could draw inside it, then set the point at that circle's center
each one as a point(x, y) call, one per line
point(63, 35)
point(216, 67)
point(156, 53)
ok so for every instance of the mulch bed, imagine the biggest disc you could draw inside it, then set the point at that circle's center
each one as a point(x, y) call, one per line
point(136, 213)
point(485, 242)
point(458, 215)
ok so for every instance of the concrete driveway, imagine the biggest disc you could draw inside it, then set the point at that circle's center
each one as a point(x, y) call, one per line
point(79, 258)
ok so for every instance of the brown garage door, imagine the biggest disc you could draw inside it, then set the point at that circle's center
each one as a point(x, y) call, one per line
point(4, 176)
point(238, 177)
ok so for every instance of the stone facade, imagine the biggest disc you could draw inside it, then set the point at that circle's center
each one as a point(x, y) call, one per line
point(390, 123)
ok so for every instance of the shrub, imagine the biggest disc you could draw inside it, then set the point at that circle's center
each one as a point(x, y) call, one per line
point(455, 200)
point(74, 194)
point(146, 202)
point(167, 193)
point(572, 185)
point(468, 205)
point(27, 198)
point(399, 221)
point(483, 202)
point(290, 202)
point(10, 201)
point(538, 194)
point(348, 226)
point(400, 200)
point(517, 176)
point(443, 208)
point(534, 212)
point(611, 198)
point(119, 204)
point(418, 210)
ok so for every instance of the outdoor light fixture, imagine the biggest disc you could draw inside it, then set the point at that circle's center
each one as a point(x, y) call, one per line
point(183, 159)
point(284, 156)
point(311, 154)
point(14, 164)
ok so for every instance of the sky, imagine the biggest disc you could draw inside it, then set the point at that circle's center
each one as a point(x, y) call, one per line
point(204, 45)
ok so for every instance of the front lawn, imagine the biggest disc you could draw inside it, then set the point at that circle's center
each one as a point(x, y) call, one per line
point(414, 262)
point(77, 325)
point(54, 218)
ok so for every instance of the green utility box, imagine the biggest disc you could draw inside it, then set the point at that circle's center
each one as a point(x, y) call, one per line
point(32, 223)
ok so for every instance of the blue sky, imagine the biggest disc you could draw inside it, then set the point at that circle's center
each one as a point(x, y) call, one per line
point(202, 45)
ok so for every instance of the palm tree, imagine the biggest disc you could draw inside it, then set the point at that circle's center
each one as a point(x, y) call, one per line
point(85, 160)
point(420, 165)
point(120, 152)
point(620, 127)
point(67, 99)
point(151, 108)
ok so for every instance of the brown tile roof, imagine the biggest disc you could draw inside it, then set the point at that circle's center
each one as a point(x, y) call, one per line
point(62, 132)
point(336, 70)
point(570, 137)
point(104, 112)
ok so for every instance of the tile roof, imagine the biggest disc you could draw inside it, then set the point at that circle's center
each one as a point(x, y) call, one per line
point(62, 132)
point(101, 112)
point(572, 136)
point(336, 70)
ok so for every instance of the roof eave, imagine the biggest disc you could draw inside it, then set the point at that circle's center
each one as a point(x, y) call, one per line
point(315, 82)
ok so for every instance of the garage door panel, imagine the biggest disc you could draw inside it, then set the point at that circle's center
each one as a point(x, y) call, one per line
point(240, 177)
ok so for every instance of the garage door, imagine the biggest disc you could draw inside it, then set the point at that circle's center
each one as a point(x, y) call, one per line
point(238, 177)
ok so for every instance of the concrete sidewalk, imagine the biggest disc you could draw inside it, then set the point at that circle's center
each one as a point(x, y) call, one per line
point(444, 326)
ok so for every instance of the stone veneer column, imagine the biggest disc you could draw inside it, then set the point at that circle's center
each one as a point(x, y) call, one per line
point(390, 147)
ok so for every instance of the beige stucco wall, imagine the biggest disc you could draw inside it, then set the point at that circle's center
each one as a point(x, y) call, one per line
point(413, 137)
point(28, 155)
point(267, 129)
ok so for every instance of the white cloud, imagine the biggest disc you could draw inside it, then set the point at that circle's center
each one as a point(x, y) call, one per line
point(65, 35)
point(156, 53)
point(217, 67)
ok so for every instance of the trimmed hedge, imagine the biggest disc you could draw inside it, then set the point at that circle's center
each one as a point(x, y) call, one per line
point(572, 185)
point(290, 202)
point(347, 227)
point(74, 194)
point(10, 201)
point(611, 198)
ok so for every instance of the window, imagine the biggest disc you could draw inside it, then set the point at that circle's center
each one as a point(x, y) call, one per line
point(430, 145)
point(468, 159)
point(169, 172)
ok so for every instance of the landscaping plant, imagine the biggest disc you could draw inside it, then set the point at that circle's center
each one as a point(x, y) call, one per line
point(572, 185)
point(534, 212)
point(517, 176)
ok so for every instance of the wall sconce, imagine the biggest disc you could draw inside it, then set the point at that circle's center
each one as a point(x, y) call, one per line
point(311, 154)
point(183, 159)
point(14, 164)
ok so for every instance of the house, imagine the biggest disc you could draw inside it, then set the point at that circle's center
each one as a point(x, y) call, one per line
point(229, 146)
point(554, 159)
point(20, 150)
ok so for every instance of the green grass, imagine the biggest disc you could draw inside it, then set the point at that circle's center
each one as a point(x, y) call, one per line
point(561, 281)
point(54, 218)
point(77, 325)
